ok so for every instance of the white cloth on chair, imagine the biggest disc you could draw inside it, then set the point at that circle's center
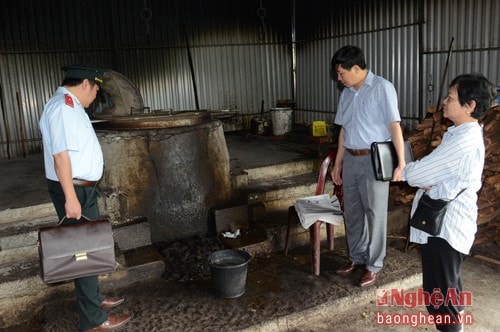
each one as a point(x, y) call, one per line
point(319, 208)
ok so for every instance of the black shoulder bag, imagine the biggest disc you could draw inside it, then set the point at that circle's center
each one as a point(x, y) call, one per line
point(429, 215)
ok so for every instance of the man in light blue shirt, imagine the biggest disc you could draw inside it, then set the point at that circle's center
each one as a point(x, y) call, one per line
point(73, 163)
point(368, 112)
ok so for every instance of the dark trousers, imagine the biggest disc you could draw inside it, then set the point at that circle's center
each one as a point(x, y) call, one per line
point(88, 295)
point(441, 269)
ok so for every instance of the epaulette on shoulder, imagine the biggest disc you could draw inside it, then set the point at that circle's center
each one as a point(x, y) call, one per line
point(69, 100)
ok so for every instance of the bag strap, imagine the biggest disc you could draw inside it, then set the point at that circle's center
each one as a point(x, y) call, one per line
point(461, 191)
point(85, 217)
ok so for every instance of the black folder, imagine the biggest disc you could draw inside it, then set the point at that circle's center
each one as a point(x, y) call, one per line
point(385, 159)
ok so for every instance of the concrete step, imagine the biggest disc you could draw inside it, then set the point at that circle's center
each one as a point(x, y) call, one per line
point(241, 178)
point(22, 289)
point(276, 228)
point(20, 233)
point(19, 258)
point(278, 186)
point(266, 234)
point(280, 193)
point(275, 188)
point(25, 213)
point(21, 285)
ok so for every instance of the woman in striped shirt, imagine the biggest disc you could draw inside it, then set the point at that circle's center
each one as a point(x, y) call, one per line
point(457, 163)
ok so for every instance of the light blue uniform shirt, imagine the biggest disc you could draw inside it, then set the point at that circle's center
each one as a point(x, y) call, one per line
point(365, 114)
point(455, 164)
point(66, 127)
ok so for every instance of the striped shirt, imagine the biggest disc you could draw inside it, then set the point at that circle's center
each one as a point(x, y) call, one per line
point(455, 164)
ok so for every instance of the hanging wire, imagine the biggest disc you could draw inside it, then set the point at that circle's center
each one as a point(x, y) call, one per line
point(146, 14)
point(261, 13)
point(430, 86)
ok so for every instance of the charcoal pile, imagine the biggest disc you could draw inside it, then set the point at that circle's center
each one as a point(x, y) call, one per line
point(186, 259)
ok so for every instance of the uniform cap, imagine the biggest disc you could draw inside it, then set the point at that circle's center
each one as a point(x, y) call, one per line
point(81, 71)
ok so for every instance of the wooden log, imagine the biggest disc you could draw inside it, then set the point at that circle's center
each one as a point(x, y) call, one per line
point(427, 123)
point(485, 234)
point(487, 218)
point(487, 259)
point(490, 126)
point(436, 143)
point(492, 180)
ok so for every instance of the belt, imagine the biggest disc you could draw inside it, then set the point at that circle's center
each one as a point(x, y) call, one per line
point(84, 183)
point(362, 152)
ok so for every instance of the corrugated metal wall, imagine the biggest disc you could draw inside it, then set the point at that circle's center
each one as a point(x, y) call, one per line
point(387, 31)
point(404, 41)
point(241, 52)
point(475, 27)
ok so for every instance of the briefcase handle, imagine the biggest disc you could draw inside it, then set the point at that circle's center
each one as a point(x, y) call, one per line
point(84, 216)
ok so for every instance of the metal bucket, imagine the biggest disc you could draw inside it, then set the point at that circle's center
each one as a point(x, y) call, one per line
point(281, 119)
point(228, 268)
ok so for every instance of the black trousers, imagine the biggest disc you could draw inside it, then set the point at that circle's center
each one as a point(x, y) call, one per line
point(441, 269)
point(88, 294)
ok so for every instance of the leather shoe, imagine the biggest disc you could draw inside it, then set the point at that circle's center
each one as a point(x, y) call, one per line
point(111, 302)
point(368, 278)
point(114, 322)
point(349, 268)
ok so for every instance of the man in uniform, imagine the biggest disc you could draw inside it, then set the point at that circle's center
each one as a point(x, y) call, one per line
point(73, 163)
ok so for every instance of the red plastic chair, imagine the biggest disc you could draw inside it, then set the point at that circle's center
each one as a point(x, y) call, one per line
point(315, 228)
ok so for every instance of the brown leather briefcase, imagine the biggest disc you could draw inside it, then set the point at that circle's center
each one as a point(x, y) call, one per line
point(76, 250)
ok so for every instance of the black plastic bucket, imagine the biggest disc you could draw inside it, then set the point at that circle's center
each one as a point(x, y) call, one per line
point(228, 268)
point(260, 126)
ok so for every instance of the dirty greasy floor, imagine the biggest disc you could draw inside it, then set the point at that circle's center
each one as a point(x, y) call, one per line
point(277, 286)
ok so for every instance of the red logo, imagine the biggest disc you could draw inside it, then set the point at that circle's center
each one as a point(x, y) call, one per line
point(69, 100)
point(410, 300)
point(382, 297)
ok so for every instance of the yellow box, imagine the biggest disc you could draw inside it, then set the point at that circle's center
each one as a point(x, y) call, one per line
point(319, 128)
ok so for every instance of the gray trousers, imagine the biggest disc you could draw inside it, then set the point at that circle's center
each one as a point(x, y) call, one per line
point(365, 211)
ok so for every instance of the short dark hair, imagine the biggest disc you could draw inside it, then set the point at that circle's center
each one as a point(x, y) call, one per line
point(69, 81)
point(349, 56)
point(475, 87)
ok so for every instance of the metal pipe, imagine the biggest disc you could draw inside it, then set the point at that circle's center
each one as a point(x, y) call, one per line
point(294, 50)
point(191, 68)
point(21, 122)
point(440, 92)
point(5, 122)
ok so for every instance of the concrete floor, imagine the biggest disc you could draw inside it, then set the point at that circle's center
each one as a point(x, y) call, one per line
point(281, 294)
